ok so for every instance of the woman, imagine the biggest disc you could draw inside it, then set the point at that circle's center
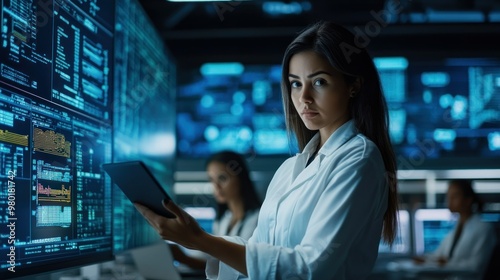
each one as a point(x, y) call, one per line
point(237, 201)
point(469, 245)
point(326, 207)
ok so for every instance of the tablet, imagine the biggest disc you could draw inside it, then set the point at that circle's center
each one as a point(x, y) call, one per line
point(139, 185)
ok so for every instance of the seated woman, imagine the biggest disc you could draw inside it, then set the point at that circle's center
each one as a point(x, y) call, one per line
point(237, 201)
point(469, 245)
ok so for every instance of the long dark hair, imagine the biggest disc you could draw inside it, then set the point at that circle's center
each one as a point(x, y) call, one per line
point(368, 107)
point(465, 187)
point(236, 165)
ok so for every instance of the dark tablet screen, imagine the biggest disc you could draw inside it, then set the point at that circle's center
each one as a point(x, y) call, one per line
point(139, 185)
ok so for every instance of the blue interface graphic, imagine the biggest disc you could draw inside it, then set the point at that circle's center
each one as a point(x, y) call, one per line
point(439, 108)
point(231, 106)
point(442, 108)
point(144, 115)
point(56, 91)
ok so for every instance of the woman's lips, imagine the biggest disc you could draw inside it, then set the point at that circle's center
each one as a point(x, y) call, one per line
point(309, 114)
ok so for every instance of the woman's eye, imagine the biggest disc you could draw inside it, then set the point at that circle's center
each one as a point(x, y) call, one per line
point(222, 178)
point(294, 84)
point(319, 82)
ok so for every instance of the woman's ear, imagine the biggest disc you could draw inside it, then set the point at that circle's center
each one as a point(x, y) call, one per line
point(355, 87)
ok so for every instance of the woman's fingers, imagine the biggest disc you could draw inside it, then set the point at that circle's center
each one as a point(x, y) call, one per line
point(155, 220)
point(182, 229)
point(172, 207)
point(144, 211)
point(177, 211)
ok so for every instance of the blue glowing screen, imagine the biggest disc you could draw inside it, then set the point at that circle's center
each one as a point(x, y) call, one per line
point(231, 106)
point(446, 108)
point(439, 108)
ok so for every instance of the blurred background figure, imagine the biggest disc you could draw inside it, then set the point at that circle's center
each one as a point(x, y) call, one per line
point(471, 242)
point(237, 200)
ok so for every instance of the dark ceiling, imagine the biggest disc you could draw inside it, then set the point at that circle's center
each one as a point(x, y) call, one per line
point(196, 32)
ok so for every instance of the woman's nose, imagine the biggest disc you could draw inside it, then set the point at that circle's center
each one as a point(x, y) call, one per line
point(305, 95)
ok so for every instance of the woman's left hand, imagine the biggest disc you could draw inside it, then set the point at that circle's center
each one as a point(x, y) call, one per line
point(182, 229)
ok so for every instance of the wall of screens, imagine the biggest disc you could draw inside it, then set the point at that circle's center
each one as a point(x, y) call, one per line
point(79, 87)
point(230, 106)
point(444, 111)
point(56, 92)
point(144, 115)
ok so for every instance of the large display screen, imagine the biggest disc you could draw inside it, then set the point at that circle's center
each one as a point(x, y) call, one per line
point(231, 106)
point(56, 91)
point(444, 111)
point(144, 115)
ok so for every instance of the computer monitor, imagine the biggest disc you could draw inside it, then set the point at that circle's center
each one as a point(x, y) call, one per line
point(231, 105)
point(493, 218)
point(431, 226)
point(443, 110)
point(56, 91)
point(402, 243)
point(143, 116)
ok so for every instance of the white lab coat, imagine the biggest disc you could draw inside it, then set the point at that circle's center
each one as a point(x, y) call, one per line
point(242, 228)
point(320, 222)
point(473, 250)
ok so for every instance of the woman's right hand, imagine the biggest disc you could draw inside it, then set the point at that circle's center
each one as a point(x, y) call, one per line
point(185, 231)
point(182, 229)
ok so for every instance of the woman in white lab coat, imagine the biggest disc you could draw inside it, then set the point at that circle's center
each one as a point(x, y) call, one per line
point(237, 200)
point(469, 245)
point(327, 207)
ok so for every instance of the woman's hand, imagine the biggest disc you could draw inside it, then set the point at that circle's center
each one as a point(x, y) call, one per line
point(182, 229)
point(185, 231)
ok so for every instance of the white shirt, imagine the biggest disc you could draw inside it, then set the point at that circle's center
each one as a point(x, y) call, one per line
point(473, 249)
point(320, 222)
point(243, 228)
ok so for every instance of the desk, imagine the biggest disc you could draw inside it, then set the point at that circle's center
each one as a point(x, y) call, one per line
point(406, 269)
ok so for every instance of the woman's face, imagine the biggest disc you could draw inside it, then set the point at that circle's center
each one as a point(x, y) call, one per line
point(457, 202)
point(319, 93)
point(225, 182)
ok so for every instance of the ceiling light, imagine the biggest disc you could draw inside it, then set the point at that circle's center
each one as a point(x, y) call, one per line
point(223, 68)
point(289, 8)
